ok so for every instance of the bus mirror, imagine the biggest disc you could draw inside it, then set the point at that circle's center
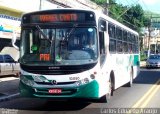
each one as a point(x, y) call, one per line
point(14, 40)
point(102, 25)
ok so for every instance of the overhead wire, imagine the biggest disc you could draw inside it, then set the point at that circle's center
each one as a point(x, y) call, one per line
point(133, 2)
point(125, 11)
point(126, 21)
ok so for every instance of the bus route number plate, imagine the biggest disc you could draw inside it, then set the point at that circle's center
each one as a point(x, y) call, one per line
point(55, 91)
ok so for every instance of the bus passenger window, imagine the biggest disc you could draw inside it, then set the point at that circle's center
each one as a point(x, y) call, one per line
point(119, 46)
point(118, 33)
point(125, 47)
point(111, 30)
point(112, 46)
point(101, 42)
point(129, 37)
point(130, 48)
point(125, 35)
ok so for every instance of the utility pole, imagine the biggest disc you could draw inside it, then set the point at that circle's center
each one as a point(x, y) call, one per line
point(40, 4)
point(149, 35)
point(107, 10)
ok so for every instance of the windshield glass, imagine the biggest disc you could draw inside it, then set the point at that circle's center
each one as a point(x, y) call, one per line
point(67, 46)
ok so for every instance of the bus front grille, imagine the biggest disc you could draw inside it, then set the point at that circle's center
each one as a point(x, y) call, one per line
point(58, 83)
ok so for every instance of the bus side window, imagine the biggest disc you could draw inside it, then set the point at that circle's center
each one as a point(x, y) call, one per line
point(102, 42)
point(119, 47)
point(111, 30)
point(102, 28)
point(112, 46)
point(102, 48)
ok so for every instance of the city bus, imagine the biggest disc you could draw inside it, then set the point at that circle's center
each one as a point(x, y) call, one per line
point(75, 54)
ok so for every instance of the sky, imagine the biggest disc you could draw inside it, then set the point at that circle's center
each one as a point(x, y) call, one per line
point(150, 5)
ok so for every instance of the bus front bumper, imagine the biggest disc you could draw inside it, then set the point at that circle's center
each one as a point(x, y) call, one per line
point(88, 91)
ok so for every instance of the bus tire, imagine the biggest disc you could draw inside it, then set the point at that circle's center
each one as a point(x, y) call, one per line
point(112, 83)
point(107, 96)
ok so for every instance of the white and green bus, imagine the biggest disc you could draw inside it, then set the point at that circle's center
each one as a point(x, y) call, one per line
point(73, 53)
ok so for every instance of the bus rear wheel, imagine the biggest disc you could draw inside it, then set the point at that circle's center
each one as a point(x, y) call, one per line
point(130, 83)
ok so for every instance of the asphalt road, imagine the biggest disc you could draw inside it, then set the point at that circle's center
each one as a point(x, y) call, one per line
point(144, 94)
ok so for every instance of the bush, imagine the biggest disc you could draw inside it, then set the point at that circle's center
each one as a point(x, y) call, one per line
point(143, 57)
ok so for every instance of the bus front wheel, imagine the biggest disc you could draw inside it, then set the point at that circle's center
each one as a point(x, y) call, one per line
point(107, 96)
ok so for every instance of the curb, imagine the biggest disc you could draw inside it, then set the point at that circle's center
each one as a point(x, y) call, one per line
point(9, 97)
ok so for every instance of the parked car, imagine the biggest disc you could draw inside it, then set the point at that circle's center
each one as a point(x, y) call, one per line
point(153, 61)
point(8, 66)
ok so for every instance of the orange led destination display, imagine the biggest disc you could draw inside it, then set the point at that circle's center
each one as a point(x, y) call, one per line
point(68, 17)
point(44, 57)
point(58, 17)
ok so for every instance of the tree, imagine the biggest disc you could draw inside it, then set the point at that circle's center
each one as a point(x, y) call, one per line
point(135, 16)
point(115, 11)
point(99, 2)
point(131, 16)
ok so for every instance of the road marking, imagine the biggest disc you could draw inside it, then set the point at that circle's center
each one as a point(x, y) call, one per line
point(142, 103)
point(150, 96)
point(8, 97)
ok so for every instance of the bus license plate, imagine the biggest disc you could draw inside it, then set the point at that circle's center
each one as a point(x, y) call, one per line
point(55, 91)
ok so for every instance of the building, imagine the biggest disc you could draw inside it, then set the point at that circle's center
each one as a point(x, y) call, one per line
point(154, 40)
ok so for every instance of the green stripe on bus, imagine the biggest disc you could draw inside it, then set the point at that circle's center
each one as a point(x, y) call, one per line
point(136, 61)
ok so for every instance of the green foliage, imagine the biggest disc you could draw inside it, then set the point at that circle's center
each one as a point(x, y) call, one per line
point(115, 12)
point(146, 21)
point(131, 16)
point(99, 2)
point(143, 57)
point(135, 16)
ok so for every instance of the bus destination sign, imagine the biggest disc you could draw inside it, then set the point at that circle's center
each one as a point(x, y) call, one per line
point(70, 17)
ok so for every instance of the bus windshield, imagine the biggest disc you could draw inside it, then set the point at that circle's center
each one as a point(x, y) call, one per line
point(62, 46)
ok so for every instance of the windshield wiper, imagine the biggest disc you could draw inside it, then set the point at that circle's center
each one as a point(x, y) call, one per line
point(43, 34)
point(69, 33)
point(64, 42)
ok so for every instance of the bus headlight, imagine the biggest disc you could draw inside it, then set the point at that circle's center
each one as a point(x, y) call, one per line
point(92, 76)
point(26, 81)
point(78, 83)
point(85, 81)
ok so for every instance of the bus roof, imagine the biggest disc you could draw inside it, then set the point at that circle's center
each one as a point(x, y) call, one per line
point(57, 9)
point(114, 22)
